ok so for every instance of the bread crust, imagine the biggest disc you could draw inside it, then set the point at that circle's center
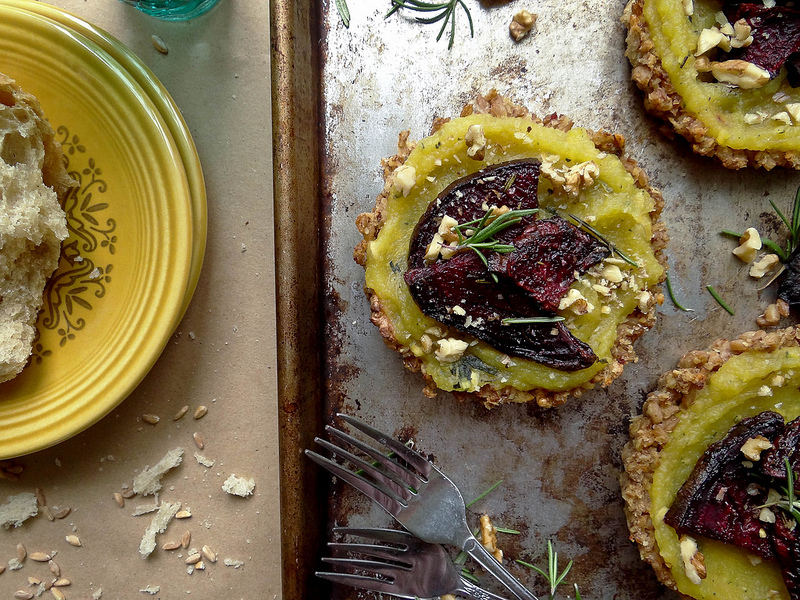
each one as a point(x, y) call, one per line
point(34, 184)
point(370, 223)
point(661, 100)
point(661, 413)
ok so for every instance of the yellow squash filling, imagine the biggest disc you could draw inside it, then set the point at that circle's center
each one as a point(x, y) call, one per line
point(721, 108)
point(612, 204)
point(744, 386)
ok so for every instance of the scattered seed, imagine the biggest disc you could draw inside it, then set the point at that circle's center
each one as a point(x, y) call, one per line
point(40, 497)
point(2, 569)
point(62, 582)
point(63, 513)
point(209, 554)
point(186, 539)
point(193, 559)
point(119, 499)
point(33, 581)
point(171, 545)
point(23, 594)
point(201, 566)
point(54, 568)
point(48, 513)
point(181, 413)
point(198, 440)
point(58, 594)
point(21, 552)
point(183, 514)
point(152, 419)
point(128, 494)
point(40, 557)
point(200, 412)
point(159, 44)
point(74, 540)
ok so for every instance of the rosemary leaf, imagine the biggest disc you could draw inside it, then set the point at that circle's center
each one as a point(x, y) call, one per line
point(677, 304)
point(531, 320)
point(344, 12)
point(719, 299)
point(601, 237)
point(508, 531)
point(486, 493)
point(467, 574)
point(446, 12)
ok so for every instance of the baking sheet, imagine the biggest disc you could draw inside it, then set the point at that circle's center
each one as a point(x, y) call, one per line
point(559, 467)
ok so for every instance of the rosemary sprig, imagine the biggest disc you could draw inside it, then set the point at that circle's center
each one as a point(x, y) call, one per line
point(719, 299)
point(612, 248)
point(531, 320)
point(484, 232)
point(446, 12)
point(486, 493)
point(344, 12)
point(551, 575)
point(677, 304)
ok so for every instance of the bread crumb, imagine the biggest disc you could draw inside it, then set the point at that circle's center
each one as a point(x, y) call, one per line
point(206, 462)
point(98, 593)
point(236, 564)
point(238, 486)
point(148, 482)
point(151, 589)
point(164, 515)
point(18, 509)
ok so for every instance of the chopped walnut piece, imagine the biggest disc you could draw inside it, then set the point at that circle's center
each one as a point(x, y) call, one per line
point(569, 180)
point(489, 538)
point(749, 245)
point(693, 560)
point(575, 301)
point(476, 142)
point(753, 447)
point(405, 177)
point(764, 265)
point(740, 73)
point(450, 350)
point(521, 25)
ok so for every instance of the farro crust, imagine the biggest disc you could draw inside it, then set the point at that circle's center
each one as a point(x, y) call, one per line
point(661, 100)
point(661, 413)
point(369, 224)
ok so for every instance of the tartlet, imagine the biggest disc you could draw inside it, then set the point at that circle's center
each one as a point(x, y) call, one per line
point(694, 406)
point(617, 199)
point(737, 125)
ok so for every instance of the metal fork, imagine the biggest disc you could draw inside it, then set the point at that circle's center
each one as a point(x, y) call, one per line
point(416, 569)
point(419, 496)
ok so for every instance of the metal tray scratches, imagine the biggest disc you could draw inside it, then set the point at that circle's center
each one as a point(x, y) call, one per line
point(560, 468)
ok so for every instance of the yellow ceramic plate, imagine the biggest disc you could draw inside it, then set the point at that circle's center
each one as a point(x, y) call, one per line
point(166, 108)
point(127, 267)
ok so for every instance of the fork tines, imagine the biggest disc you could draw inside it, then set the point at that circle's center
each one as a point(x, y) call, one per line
point(384, 479)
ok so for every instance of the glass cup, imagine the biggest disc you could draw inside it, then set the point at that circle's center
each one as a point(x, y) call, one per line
point(172, 10)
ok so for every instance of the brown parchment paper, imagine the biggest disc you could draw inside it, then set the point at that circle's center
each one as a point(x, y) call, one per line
point(222, 355)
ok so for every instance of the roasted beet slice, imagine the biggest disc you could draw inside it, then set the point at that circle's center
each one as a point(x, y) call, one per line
point(715, 501)
point(789, 289)
point(785, 446)
point(465, 282)
point(548, 254)
point(513, 184)
point(776, 34)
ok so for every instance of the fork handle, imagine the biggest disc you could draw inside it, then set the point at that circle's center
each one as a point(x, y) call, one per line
point(485, 559)
point(470, 590)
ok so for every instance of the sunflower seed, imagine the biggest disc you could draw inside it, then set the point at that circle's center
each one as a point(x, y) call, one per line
point(40, 557)
point(200, 412)
point(171, 545)
point(209, 554)
point(152, 419)
point(63, 513)
point(198, 440)
point(181, 413)
point(159, 44)
point(74, 540)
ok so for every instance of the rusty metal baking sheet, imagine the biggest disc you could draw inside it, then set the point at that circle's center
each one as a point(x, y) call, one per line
point(559, 467)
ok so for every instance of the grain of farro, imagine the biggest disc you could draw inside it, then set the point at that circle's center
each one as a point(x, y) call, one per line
point(23, 595)
point(48, 513)
point(200, 411)
point(181, 413)
point(209, 554)
point(173, 545)
point(128, 494)
point(62, 582)
point(186, 539)
point(151, 419)
point(41, 499)
point(193, 559)
point(57, 594)
point(63, 512)
point(74, 540)
point(21, 552)
point(119, 499)
point(40, 556)
point(183, 514)
point(198, 440)
point(54, 568)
